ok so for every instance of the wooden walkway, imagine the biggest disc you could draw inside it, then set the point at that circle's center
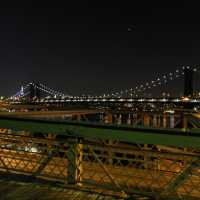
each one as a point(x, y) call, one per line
point(10, 190)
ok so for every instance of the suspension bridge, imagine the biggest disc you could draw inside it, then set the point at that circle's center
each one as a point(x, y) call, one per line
point(38, 92)
point(141, 147)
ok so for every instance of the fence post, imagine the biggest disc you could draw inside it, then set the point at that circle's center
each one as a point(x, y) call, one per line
point(75, 158)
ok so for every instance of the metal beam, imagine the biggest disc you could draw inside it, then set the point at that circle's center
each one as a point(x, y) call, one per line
point(170, 137)
point(43, 164)
point(182, 176)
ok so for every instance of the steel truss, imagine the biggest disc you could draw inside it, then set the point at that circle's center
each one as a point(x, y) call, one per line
point(105, 166)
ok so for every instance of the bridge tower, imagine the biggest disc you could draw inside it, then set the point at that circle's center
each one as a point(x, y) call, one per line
point(188, 82)
point(34, 91)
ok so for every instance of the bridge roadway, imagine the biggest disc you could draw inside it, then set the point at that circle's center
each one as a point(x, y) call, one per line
point(120, 100)
point(123, 167)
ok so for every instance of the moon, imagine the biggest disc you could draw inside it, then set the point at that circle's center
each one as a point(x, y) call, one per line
point(131, 28)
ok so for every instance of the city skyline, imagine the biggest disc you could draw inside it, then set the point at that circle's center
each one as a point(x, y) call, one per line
point(95, 48)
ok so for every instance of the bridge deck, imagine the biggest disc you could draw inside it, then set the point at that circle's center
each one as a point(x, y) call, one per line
point(26, 191)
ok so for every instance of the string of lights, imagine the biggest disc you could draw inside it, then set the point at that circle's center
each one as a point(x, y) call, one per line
point(131, 92)
point(159, 81)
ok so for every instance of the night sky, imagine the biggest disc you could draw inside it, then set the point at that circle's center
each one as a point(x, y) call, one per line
point(95, 46)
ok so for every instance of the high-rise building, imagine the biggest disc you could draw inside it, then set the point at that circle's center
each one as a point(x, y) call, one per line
point(188, 82)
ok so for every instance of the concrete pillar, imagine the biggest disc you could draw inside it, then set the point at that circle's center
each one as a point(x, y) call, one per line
point(119, 119)
point(185, 122)
point(159, 121)
point(139, 120)
point(171, 121)
point(164, 121)
point(101, 117)
point(134, 118)
point(155, 120)
point(146, 120)
point(108, 119)
point(129, 119)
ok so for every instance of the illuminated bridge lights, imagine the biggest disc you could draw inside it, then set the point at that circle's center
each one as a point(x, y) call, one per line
point(169, 111)
point(152, 100)
point(130, 100)
point(195, 100)
point(147, 100)
point(140, 100)
point(126, 93)
point(176, 100)
point(185, 99)
point(163, 100)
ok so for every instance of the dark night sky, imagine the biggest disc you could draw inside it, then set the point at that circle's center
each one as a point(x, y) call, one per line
point(89, 48)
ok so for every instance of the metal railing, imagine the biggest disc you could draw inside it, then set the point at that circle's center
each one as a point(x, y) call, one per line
point(110, 167)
